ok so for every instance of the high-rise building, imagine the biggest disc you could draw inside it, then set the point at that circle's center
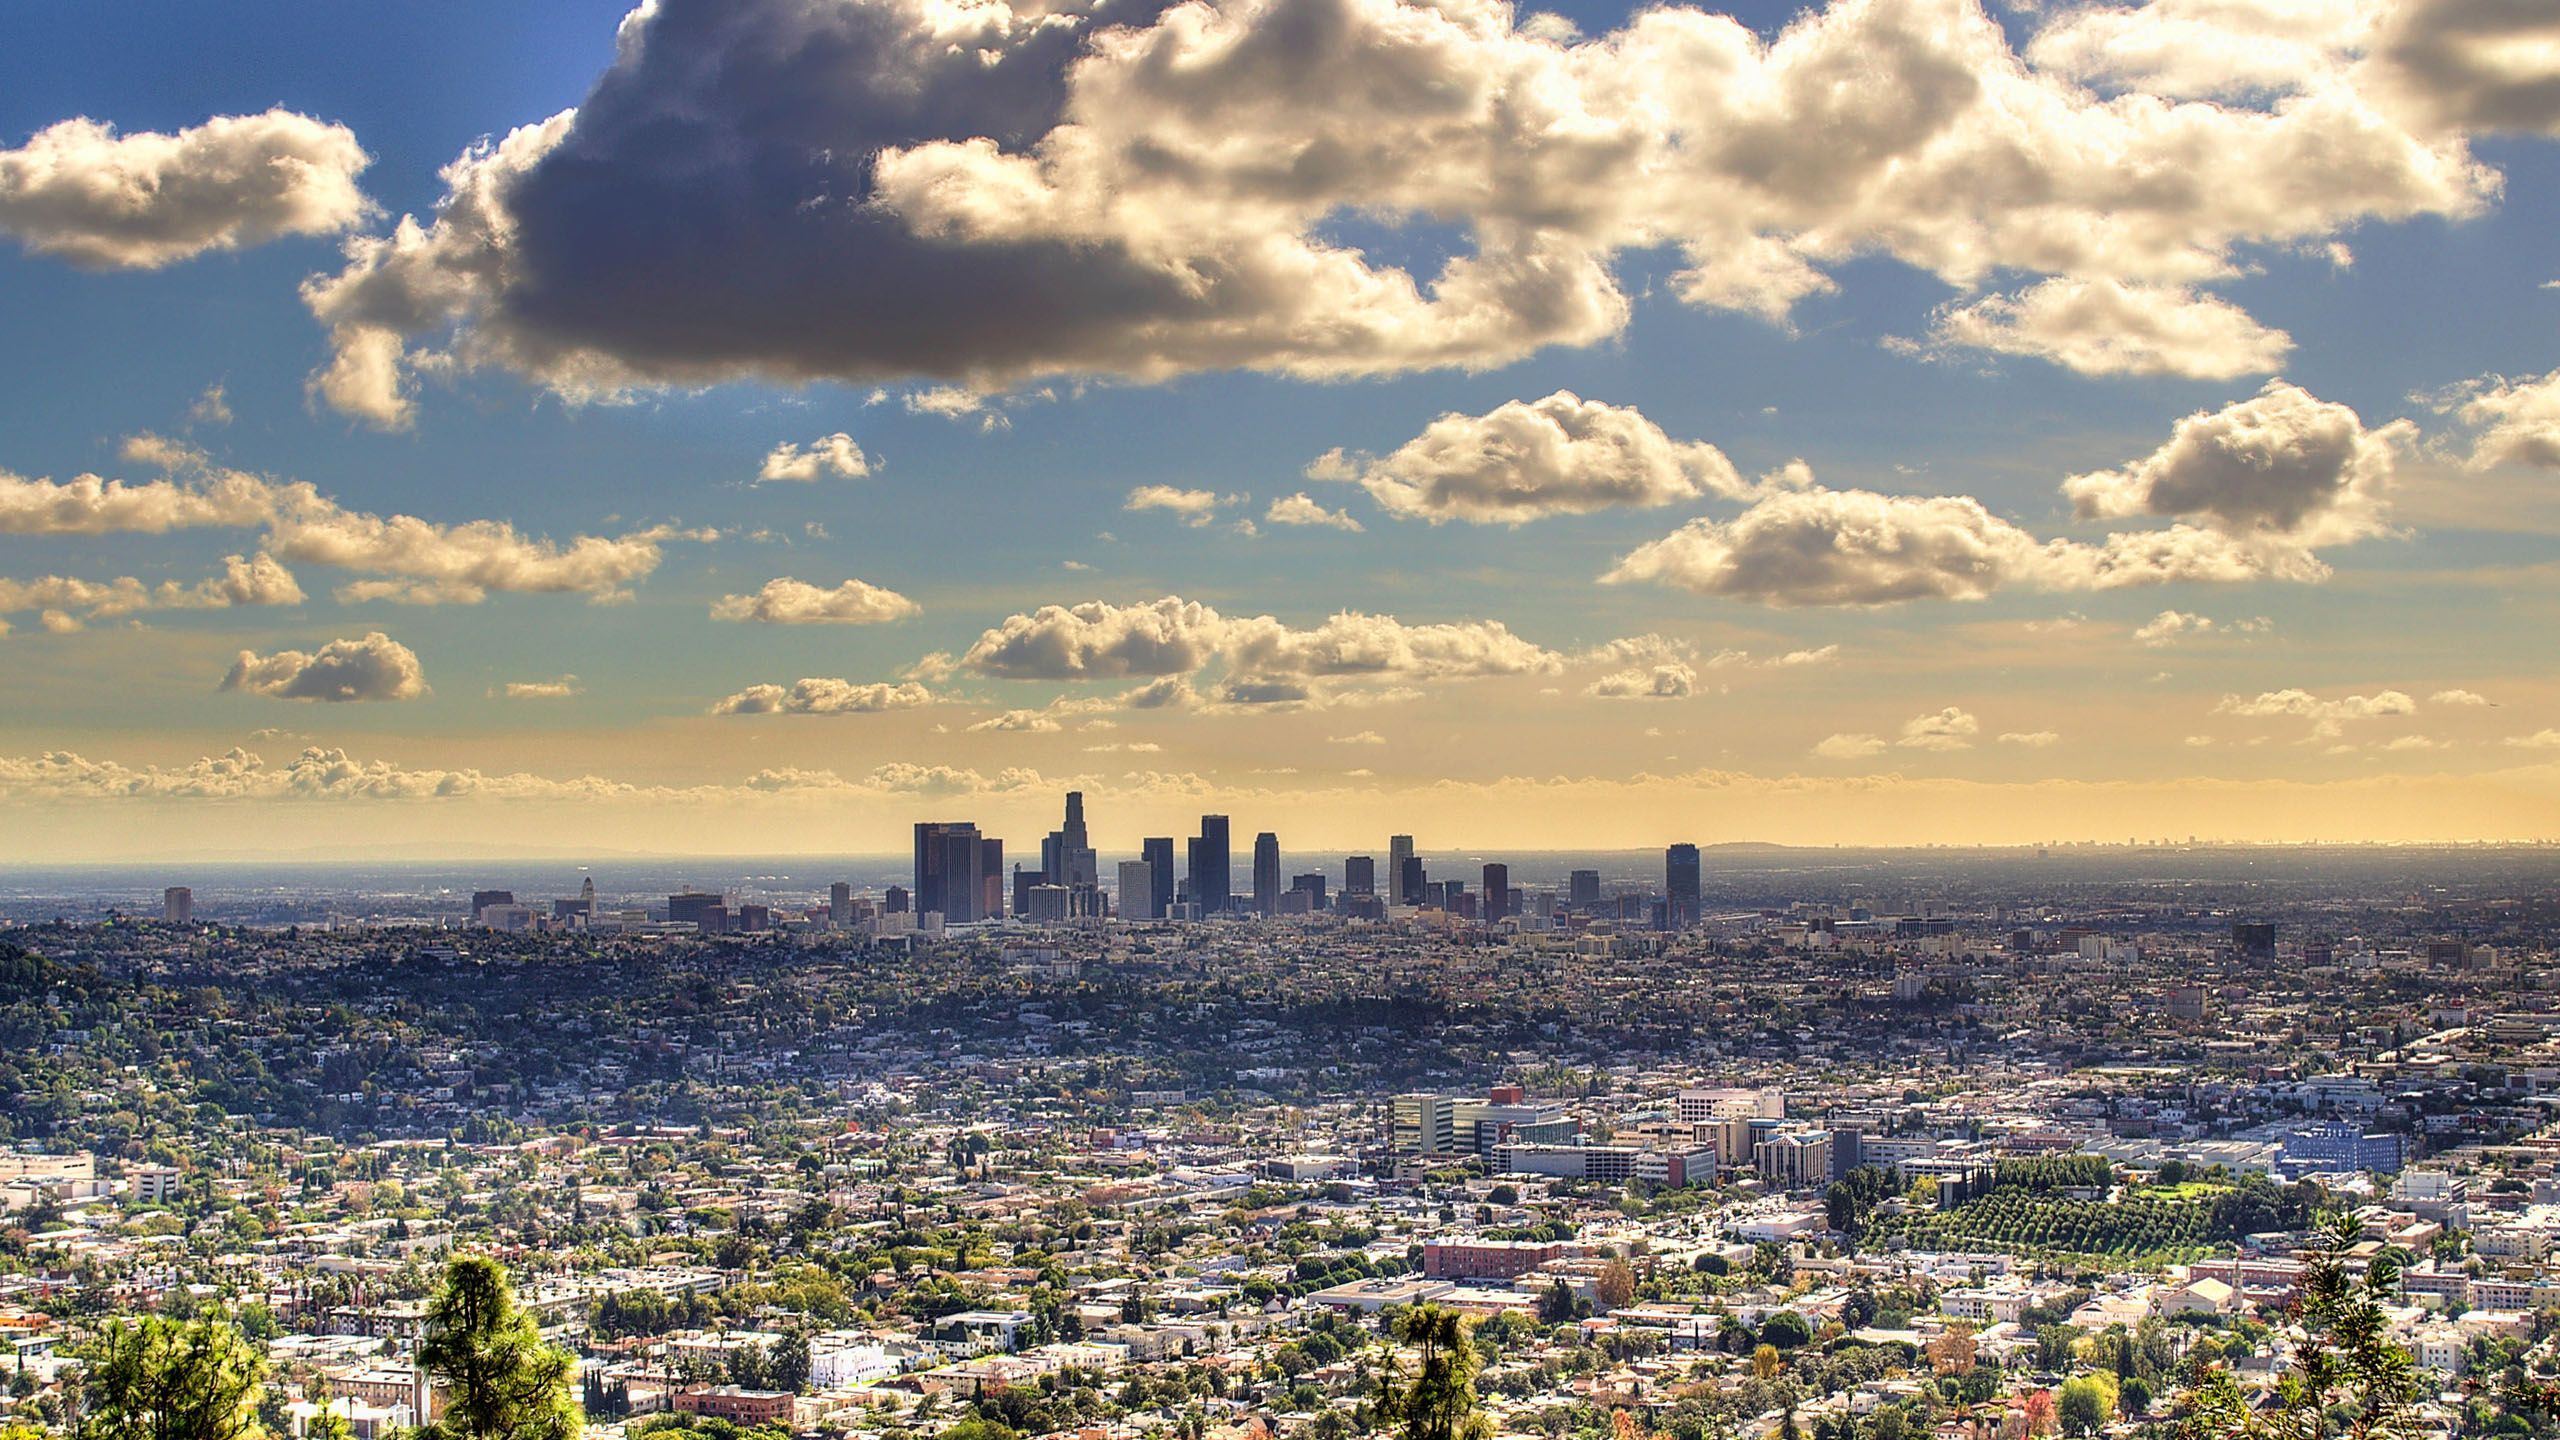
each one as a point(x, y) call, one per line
point(1310, 885)
point(1360, 875)
point(1497, 892)
point(1266, 874)
point(1067, 858)
point(990, 880)
point(1157, 851)
point(178, 905)
point(1212, 866)
point(1409, 880)
point(896, 901)
point(950, 876)
point(1586, 889)
point(1138, 887)
point(700, 908)
point(483, 899)
point(840, 905)
point(1680, 886)
point(1423, 1123)
point(1400, 860)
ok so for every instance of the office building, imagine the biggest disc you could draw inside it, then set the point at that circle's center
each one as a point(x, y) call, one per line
point(1266, 874)
point(896, 901)
point(1585, 891)
point(1497, 893)
point(950, 875)
point(1424, 1124)
point(991, 895)
point(1401, 863)
point(701, 909)
point(1310, 885)
point(1680, 886)
point(1212, 866)
point(1138, 890)
point(178, 905)
point(1794, 1159)
point(1157, 852)
point(1360, 875)
point(1409, 880)
point(840, 905)
point(483, 899)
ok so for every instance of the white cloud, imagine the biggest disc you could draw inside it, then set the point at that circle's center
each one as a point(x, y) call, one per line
point(376, 667)
point(828, 454)
point(2112, 327)
point(1849, 747)
point(104, 201)
point(560, 689)
point(2458, 698)
point(1528, 459)
point(991, 193)
point(417, 561)
point(243, 581)
point(2206, 49)
point(1194, 508)
point(213, 407)
point(2538, 740)
point(2469, 65)
point(1669, 680)
point(2282, 465)
point(1947, 729)
point(2171, 626)
point(1860, 548)
point(2513, 422)
point(786, 601)
point(2328, 717)
point(2031, 739)
point(1302, 509)
point(814, 696)
point(1361, 737)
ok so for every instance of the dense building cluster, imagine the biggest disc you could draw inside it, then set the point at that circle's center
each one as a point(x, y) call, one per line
point(1783, 1144)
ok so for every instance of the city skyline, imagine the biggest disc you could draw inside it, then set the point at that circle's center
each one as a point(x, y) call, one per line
point(1590, 457)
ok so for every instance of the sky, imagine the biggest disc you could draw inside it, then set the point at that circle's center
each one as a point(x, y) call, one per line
point(759, 425)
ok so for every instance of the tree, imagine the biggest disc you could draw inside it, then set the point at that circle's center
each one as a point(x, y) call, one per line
point(2087, 1403)
point(1438, 1400)
point(505, 1383)
point(1951, 1351)
point(1787, 1330)
point(2345, 1379)
point(1617, 1284)
point(168, 1380)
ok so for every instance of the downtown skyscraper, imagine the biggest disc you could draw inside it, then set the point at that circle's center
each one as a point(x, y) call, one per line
point(1212, 866)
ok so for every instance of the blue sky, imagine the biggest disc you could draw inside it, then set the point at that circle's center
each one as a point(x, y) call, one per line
point(2442, 586)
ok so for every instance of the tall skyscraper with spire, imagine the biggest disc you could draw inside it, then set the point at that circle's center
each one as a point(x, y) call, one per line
point(1067, 860)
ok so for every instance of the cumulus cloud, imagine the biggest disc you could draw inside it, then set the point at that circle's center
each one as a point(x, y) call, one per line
point(376, 667)
point(2458, 698)
point(2281, 465)
point(560, 689)
point(1849, 747)
point(2171, 626)
point(1671, 680)
point(2112, 327)
point(1527, 459)
point(2328, 717)
point(66, 602)
point(994, 192)
point(827, 455)
point(2031, 739)
point(2206, 49)
point(1194, 508)
point(414, 560)
point(320, 774)
point(2512, 422)
point(1302, 509)
point(2538, 740)
point(2469, 65)
point(1948, 729)
point(104, 201)
point(814, 696)
point(786, 601)
point(1350, 659)
point(1859, 548)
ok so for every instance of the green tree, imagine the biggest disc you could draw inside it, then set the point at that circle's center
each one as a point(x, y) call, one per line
point(2087, 1403)
point(162, 1379)
point(2345, 1379)
point(505, 1383)
point(1437, 1401)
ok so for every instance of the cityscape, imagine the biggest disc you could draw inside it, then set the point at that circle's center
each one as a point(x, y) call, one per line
point(1280, 720)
